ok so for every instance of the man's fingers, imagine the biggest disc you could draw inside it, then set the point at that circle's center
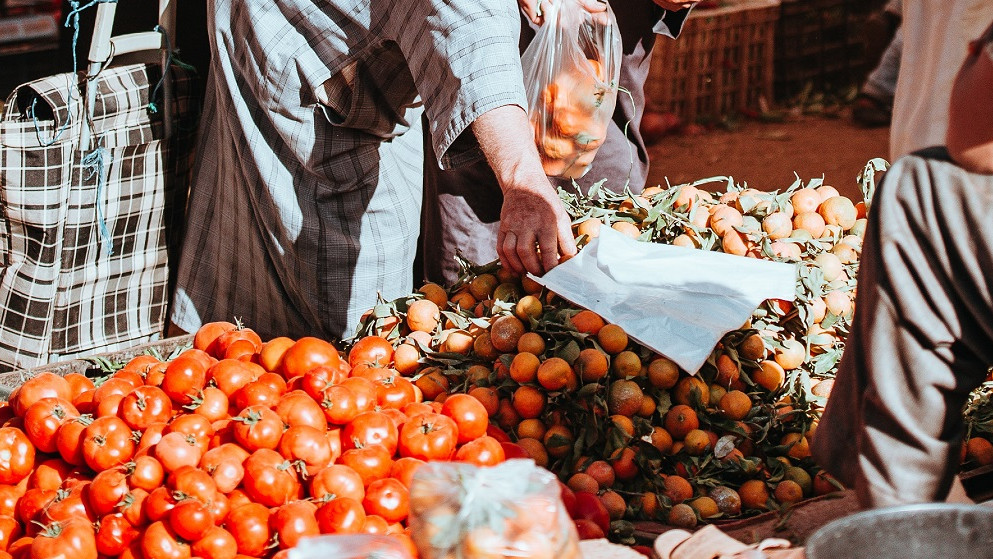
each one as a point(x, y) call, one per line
point(567, 243)
point(548, 243)
point(528, 254)
point(507, 251)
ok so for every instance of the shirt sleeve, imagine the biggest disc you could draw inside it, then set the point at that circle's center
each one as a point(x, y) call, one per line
point(463, 56)
point(671, 22)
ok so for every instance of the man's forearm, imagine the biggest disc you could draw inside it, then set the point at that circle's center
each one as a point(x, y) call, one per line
point(507, 139)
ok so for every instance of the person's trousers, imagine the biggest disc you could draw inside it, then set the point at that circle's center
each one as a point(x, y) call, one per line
point(922, 336)
point(881, 82)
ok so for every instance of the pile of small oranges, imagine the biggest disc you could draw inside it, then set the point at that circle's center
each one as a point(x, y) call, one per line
point(617, 420)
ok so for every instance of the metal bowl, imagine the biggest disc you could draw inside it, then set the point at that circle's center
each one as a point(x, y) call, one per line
point(946, 531)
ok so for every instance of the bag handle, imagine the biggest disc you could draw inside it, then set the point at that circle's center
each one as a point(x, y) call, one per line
point(104, 45)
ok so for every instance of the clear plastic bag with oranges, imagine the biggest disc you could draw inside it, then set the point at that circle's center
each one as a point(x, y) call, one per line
point(571, 70)
point(514, 509)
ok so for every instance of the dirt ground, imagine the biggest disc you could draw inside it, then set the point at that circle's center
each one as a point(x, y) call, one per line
point(766, 155)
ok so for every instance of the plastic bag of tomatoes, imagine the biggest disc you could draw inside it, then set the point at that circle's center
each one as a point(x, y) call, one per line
point(350, 546)
point(571, 70)
point(514, 509)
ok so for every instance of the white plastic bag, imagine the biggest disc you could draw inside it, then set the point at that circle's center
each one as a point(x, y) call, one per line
point(571, 70)
point(514, 509)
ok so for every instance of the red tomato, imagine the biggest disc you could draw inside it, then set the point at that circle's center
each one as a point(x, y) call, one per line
point(196, 426)
point(274, 380)
point(223, 453)
point(484, 451)
point(404, 468)
point(211, 403)
point(469, 414)
point(21, 547)
point(176, 450)
point(294, 521)
point(270, 479)
point(249, 524)
point(374, 373)
point(16, 455)
point(131, 377)
point(217, 543)
point(30, 506)
point(371, 350)
point(497, 433)
point(69, 504)
point(43, 419)
point(272, 352)
point(307, 446)
point(190, 519)
point(370, 428)
point(589, 506)
point(255, 393)
point(151, 436)
point(219, 508)
point(297, 408)
point(154, 377)
point(107, 406)
point(106, 490)
point(160, 542)
point(192, 482)
point(9, 495)
point(388, 498)
point(343, 515)
point(79, 383)
point(317, 380)
point(243, 350)
point(395, 392)
point(415, 408)
point(371, 463)
point(145, 473)
point(73, 539)
point(145, 405)
point(133, 507)
point(50, 474)
point(429, 436)
point(364, 390)
point(339, 405)
point(43, 385)
point(306, 354)
point(375, 524)
point(337, 480)
point(227, 474)
point(231, 337)
point(257, 427)
point(158, 504)
point(184, 378)
point(206, 336)
point(514, 450)
point(10, 530)
point(107, 443)
point(114, 535)
point(230, 375)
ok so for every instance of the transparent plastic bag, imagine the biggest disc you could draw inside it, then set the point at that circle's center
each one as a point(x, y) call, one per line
point(514, 509)
point(571, 70)
point(351, 546)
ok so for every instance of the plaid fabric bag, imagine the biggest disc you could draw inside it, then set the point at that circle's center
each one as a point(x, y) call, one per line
point(85, 237)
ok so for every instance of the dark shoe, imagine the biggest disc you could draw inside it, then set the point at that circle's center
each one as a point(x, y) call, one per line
point(871, 112)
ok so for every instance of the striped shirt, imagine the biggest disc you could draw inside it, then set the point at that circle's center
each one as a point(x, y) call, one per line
point(306, 199)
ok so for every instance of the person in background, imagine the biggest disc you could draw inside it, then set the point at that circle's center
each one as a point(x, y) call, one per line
point(461, 206)
point(935, 36)
point(874, 104)
point(922, 337)
point(305, 206)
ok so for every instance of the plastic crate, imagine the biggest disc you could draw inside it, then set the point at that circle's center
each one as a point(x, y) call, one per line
point(722, 62)
point(819, 46)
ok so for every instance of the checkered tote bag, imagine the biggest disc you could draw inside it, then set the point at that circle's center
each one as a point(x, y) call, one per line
point(85, 237)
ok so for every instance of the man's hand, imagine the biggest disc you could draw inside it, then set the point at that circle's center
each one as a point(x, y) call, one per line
point(674, 5)
point(535, 232)
point(535, 9)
